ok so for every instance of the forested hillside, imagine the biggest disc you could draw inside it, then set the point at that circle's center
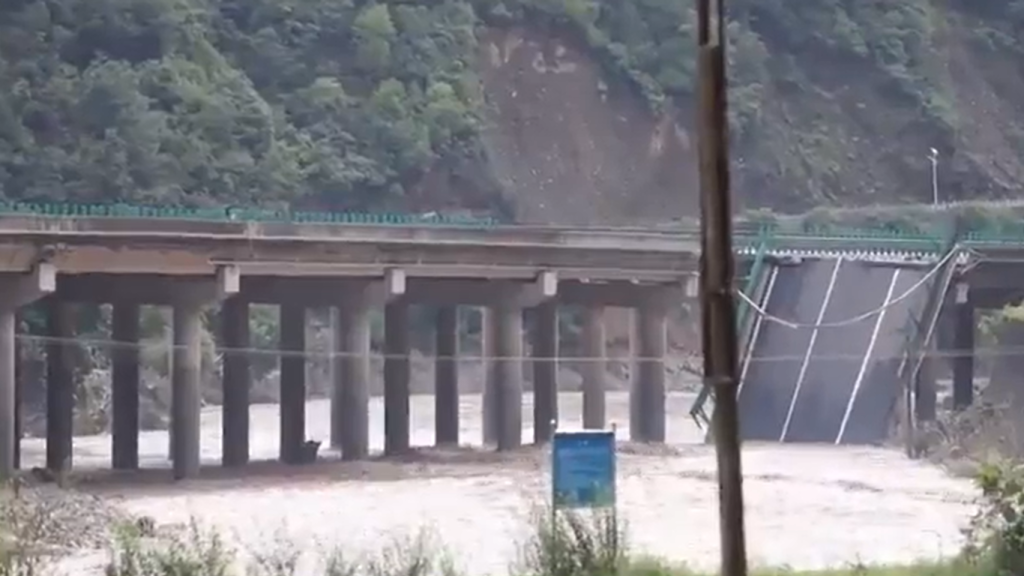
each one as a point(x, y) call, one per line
point(374, 105)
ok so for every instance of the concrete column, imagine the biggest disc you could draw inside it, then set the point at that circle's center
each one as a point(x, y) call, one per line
point(963, 361)
point(60, 384)
point(293, 381)
point(125, 386)
point(489, 416)
point(8, 359)
point(545, 371)
point(185, 381)
point(926, 396)
point(236, 380)
point(350, 402)
point(594, 368)
point(507, 373)
point(168, 316)
point(446, 376)
point(647, 394)
point(396, 377)
point(19, 398)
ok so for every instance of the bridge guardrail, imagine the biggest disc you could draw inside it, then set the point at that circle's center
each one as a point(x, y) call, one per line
point(747, 235)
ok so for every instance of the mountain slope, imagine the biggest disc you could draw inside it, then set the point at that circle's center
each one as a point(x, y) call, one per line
point(540, 110)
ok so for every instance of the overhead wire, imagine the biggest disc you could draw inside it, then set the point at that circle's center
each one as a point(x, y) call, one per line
point(321, 355)
point(765, 315)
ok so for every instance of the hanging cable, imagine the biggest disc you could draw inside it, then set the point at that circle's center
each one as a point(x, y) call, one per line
point(764, 314)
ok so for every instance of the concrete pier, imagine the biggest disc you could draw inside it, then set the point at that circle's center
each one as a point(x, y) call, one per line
point(545, 370)
point(926, 392)
point(397, 435)
point(446, 376)
point(293, 381)
point(125, 384)
point(647, 393)
point(60, 384)
point(488, 403)
point(963, 360)
point(350, 402)
point(185, 381)
point(594, 368)
point(8, 359)
point(19, 399)
point(191, 263)
point(236, 380)
point(506, 324)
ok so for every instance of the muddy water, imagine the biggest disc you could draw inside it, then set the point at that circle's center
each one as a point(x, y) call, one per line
point(807, 506)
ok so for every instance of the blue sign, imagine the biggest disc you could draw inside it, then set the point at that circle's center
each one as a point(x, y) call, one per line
point(583, 469)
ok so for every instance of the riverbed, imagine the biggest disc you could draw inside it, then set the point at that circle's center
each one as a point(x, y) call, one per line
point(806, 506)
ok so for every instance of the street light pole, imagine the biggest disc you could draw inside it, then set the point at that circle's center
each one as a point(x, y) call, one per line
point(720, 341)
point(934, 158)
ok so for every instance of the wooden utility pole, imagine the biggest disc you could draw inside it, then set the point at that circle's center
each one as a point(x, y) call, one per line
point(716, 281)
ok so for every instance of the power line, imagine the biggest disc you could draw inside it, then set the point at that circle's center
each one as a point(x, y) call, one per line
point(109, 344)
point(765, 315)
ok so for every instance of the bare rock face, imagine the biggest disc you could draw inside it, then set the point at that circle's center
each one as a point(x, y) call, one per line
point(570, 148)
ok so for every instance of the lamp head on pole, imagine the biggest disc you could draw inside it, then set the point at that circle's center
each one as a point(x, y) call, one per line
point(933, 155)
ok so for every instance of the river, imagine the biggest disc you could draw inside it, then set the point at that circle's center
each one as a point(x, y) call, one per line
point(806, 506)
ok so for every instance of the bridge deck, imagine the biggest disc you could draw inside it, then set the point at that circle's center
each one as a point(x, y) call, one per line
point(832, 384)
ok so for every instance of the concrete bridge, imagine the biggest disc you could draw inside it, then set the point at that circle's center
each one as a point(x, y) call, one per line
point(192, 261)
point(195, 264)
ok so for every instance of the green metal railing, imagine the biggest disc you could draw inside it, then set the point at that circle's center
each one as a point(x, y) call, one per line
point(743, 314)
point(976, 232)
point(60, 210)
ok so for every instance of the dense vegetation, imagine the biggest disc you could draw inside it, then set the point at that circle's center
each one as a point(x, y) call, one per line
point(347, 103)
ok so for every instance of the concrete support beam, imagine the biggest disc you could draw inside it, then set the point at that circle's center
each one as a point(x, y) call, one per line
point(60, 384)
point(22, 289)
point(236, 381)
point(185, 381)
point(647, 394)
point(446, 376)
point(506, 373)
point(8, 360)
point(397, 435)
point(545, 371)
point(622, 294)
point(543, 288)
point(594, 368)
point(125, 386)
point(350, 401)
point(293, 381)
point(963, 359)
